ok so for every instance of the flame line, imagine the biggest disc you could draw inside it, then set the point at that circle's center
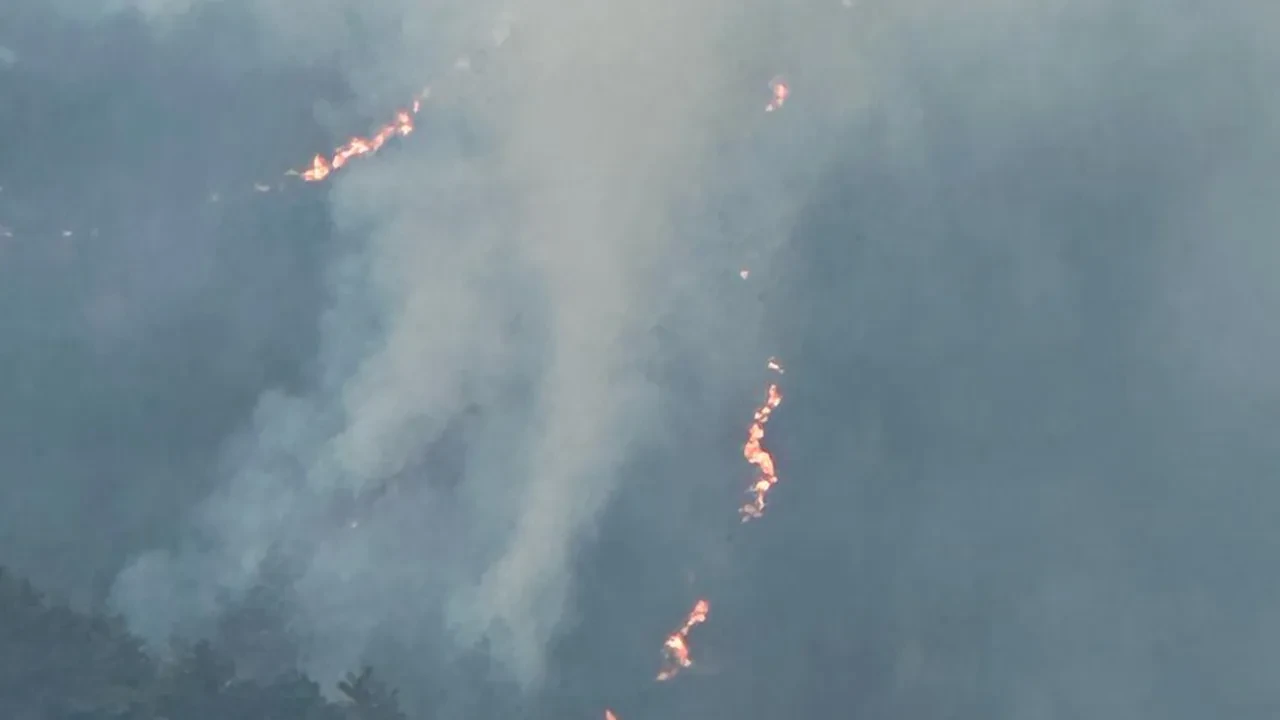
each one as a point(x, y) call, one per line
point(676, 648)
point(755, 453)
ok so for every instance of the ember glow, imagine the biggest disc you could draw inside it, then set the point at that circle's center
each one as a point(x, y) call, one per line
point(676, 648)
point(755, 454)
point(322, 167)
point(780, 91)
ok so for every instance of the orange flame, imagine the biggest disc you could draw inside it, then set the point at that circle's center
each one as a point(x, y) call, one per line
point(755, 453)
point(676, 648)
point(322, 167)
point(780, 94)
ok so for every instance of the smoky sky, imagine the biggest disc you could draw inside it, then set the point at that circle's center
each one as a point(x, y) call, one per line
point(475, 407)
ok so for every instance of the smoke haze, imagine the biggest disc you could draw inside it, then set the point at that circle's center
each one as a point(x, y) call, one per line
point(488, 388)
point(596, 136)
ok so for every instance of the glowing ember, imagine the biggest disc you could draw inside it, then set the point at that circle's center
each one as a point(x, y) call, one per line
point(744, 273)
point(676, 648)
point(322, 167)
point(755, 453)
point(780, 94)
point(608, 715)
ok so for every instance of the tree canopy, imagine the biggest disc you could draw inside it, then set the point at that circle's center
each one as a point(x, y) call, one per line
point(60, 664)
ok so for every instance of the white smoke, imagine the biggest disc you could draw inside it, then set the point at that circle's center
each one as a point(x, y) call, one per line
point(604, 116)
point(524, 278)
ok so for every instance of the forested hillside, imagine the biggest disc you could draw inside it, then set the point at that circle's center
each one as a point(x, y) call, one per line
point(60, 664)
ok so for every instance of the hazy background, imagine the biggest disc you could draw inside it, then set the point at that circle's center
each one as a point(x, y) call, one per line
point(473, 411)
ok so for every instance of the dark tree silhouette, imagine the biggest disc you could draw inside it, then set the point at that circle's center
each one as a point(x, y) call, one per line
point(60, 664)
point(369, 697)
point(55, 662)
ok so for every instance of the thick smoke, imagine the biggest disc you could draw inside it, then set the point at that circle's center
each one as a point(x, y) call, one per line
point(601, 120)
point(1026, 297)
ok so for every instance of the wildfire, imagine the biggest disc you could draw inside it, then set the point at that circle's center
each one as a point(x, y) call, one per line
point(322, 167)
point(780, 94)
point(676, 649)
point(755, 453)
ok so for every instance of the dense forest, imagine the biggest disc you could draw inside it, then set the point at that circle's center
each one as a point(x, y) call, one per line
point(60, 664)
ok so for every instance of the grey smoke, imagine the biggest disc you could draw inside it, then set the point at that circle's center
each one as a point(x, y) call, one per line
point(1016, 255)
point(599, 136)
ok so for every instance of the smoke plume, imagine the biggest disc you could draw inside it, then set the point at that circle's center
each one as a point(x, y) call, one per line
point(1016, 256)
point(601, 120)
